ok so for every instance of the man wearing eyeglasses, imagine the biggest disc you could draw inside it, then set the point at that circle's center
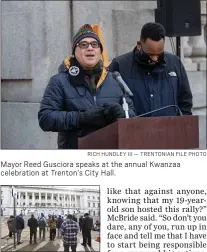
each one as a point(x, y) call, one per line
point(156, 78)
point(83, 96)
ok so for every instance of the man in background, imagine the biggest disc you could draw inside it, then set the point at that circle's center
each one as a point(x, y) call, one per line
point(59, 223)
point(69, 231)
point(42, 225)
point(52, 223)
point(155, 77)
point(87, 224)
point(74, 218)
point(80, 223)
point(11, 225)
point(33, 224)
point(19, 227)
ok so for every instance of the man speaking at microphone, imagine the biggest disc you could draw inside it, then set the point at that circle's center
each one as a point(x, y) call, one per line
point(156, 78)
point(82, 97)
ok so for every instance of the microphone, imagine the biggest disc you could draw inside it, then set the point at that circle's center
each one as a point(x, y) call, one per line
point(156, 110)
point(122, 84)
point(125, 90)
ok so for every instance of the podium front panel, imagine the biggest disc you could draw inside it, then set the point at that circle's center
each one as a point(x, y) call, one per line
point(159, 133)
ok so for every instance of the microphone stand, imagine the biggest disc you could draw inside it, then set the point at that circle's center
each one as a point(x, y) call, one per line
point(156, 110)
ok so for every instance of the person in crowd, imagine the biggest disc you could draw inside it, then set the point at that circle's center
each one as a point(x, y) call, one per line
point(42, 225)
point(74, 218)
point(80, 222)
point(11, 225)
point(83, 96)
point(19, 227)
point(87, 224)
point(156, 78)
point(69, 231)
point(59, 223)
point(33, 224)
point(52, 225)
point(97, 225)
point(48, 220)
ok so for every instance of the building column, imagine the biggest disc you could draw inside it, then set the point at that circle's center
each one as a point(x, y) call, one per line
point(45, 199)
point(52, 195)
point(71, 200)
point(63, 200)
point(81, 203)
point(39, 199)
point(26, 199)
point(19, 199)
point(33, 199)
point(66, 200)
point(58, 200)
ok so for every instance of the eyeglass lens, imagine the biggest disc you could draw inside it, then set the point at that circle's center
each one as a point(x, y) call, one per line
point(85, 44)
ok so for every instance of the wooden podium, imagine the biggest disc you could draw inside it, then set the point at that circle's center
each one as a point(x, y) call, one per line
point(171, 132)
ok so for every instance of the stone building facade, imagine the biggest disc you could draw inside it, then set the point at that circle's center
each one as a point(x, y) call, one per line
point(58, 200)
point(36, 37)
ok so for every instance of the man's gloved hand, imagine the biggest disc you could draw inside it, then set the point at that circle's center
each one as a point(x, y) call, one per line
point(113, 112)
point(93, 117)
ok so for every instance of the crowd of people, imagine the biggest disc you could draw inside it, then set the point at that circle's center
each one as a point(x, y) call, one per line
point(58, 226)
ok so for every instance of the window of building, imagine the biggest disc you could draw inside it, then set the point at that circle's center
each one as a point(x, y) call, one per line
point(42, 197)
point(30, 197)
point(88, 204)
point(24, 197)
point(55, 198)
point(93, 197)
point(94, 204)
point(98, 204)
point(94, 213)
point(88, 197)
point(36, 197)
point(97, 198)
point(49, 197)
point(24, 204)
point(30, 204)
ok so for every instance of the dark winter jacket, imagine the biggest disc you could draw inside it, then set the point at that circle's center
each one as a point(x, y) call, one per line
point(165, 85)
point(66, 95)
point(80, 221)
point(87, 223)
point(59, 222)
point(74, 218)
point(42, 222)
point(19, 222)
point(32, 224)
point(11, 224)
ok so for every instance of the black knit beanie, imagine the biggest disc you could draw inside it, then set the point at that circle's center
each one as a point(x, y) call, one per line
point(85, 31)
